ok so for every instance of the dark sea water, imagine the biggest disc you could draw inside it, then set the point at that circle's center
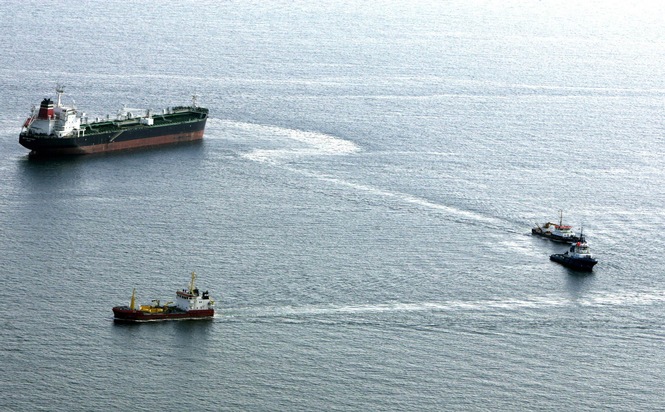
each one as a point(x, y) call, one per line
point(360, 207)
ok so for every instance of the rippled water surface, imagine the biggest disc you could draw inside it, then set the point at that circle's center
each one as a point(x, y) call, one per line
point(360, 207)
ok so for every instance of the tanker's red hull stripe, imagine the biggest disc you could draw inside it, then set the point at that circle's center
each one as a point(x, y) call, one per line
point(136, 143)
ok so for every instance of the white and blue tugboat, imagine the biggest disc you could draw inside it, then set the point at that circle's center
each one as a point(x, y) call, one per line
point(559, 233)
point(578, 257)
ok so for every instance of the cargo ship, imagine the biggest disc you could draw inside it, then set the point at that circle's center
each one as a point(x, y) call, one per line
point(559, 233)
point(55, 129)
point(190, 304)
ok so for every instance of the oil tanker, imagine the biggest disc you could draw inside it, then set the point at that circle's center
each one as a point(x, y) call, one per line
point(55, 129)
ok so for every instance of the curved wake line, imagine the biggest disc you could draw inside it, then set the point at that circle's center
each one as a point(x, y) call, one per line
point(542, 302)
point(320, 144)
point(407, 198)
point(309, 143)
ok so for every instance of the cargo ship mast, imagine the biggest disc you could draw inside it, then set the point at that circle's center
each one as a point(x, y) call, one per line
point(191, 283)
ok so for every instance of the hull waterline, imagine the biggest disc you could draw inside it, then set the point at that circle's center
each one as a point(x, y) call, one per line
point(125, 314)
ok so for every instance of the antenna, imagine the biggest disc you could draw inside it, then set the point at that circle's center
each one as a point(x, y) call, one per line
point(59, 90)
point(191, 284)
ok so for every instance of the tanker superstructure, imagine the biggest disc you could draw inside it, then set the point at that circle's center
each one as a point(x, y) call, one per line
point(56, 129)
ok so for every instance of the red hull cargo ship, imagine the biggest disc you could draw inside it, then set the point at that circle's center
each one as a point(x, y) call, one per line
point(190, 304)
point(55, 129)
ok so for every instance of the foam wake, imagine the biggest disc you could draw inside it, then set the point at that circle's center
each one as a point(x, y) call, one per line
point(290, 144)
point(494, 305)
point(287, 144)
point(465, 215)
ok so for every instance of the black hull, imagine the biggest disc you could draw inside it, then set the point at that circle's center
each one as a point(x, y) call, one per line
point(125, 314)
point(585, 265)
point(556, 238)
point(121, 139)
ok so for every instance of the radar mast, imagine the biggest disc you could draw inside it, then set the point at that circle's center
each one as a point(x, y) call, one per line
point(59, 90)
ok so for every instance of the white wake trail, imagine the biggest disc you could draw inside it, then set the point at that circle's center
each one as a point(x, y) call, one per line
point(492, 305)
point(306, 143)
point(290, 144)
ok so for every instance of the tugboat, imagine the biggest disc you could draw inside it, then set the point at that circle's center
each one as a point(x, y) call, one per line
point(559, 233)
point(190, 304)
point(578, 257)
